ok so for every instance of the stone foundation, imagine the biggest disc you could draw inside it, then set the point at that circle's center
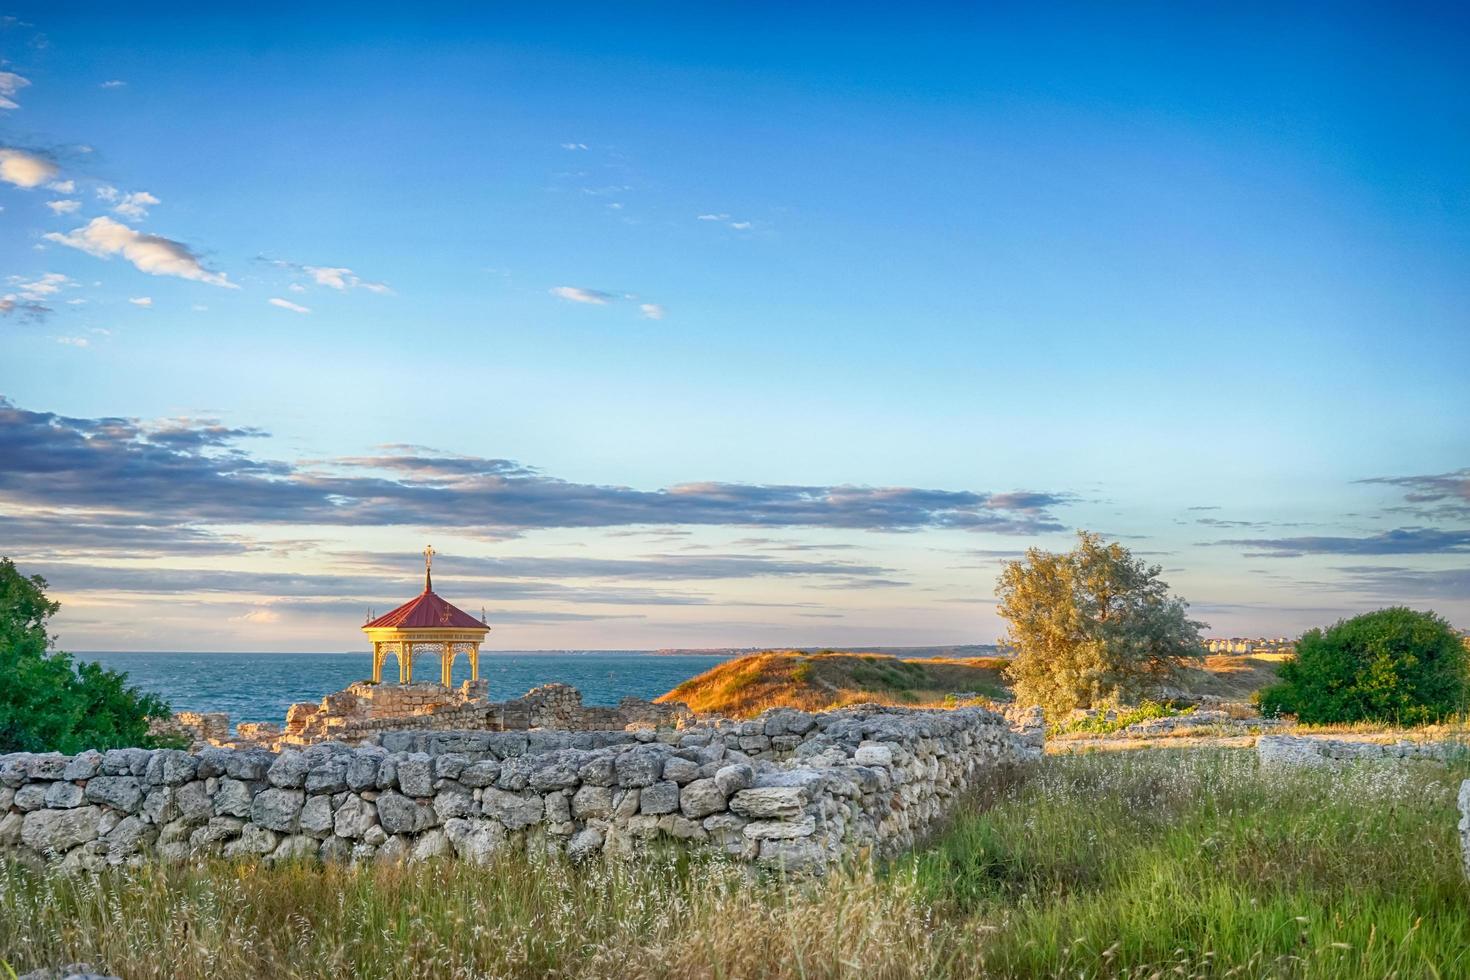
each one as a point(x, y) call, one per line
point(1314, 750)
point(788, 789)
point(364, 710)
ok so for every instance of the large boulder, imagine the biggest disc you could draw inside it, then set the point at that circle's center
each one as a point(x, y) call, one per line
point(277, 809)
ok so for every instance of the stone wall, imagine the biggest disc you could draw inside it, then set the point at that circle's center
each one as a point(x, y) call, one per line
point(790, 789)
point(1316, 750)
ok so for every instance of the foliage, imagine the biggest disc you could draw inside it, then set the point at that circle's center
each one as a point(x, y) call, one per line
point(1138, 864)
point(48, 702)
point(1107, 722)
point(1393, 665)
point(1091, 626)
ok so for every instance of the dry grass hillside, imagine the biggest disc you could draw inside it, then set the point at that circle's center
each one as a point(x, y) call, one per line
point(746, 686)
point(818, 681)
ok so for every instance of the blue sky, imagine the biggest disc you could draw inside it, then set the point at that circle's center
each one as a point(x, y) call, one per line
point(1184, 277)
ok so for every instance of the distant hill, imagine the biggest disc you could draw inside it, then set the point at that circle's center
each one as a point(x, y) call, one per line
point(818, 681)
point(960, 650)
point(815, 681)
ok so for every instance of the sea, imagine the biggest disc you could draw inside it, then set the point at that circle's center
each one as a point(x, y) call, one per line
point(260, 686)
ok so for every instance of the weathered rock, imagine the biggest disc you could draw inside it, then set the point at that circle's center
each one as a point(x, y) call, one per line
point(680, 771)
point(60, 830)
point(592, 801)
point(63, 796)
point(289, 770)
point(171, 767)
point(780, 829)
point(316, 816)
point(732, 779)
point(637, 769)
point(275, 808)
point(83, 765)
point(768, 802)
point(515, 810)
point(416, 775)
point(478, 774)
point(701, 798)
point(120, 792)
point(662, 797)
point(475, 840)
point(584, 844)
point(234, 796)
point(401, 815)
point(354, 817)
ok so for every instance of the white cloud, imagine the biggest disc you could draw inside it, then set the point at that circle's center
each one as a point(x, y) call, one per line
point(200, 308)
point(339, 278)
point(724, 219)
point(152, 254)
point(740, 225)
point(38, 289)
point(10, 84)
point(577, 294)
point(258, 617)
point(74, 341)
point(63, 186)
point(113, 83)
point(141, 300)
point(296, 287)
point(136, 205)
point(652, 311)
point(107, 192)
point(323, 276)
point(286, 304)
point(24, 168)
point(574, 146)
point(64, 206)
point(714, 217)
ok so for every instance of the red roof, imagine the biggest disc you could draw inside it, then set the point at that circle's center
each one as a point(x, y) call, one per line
point(427, 611)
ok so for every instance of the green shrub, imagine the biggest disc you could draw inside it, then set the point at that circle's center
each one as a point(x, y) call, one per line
point(47, 701)
point(1393, 665)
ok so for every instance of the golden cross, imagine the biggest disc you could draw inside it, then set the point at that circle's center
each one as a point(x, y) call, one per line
point(428, 556)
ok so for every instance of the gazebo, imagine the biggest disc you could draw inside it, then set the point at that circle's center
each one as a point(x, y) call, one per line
point(426, 623)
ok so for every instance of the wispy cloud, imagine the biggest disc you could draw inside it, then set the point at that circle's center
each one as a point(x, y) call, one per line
point(1451, 491)
point(152, 254)
point(1400, 541)
point(574, 146)
point(286, 304)
point(64, 206)
point(141, 300)
point(580, 294)
point(25, 168)
point(194, 471)
point(113, 83)
point(74, 341)
point(726, 220)
point(135, 205)
point(10, 86)
point(651, 311)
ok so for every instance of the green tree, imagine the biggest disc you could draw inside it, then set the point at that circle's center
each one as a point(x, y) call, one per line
point(47, 701)
point(1092, 625)
point(1393, 665)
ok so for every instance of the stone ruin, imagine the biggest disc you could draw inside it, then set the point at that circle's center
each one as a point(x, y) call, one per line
point(365, 710)
point(789, 789)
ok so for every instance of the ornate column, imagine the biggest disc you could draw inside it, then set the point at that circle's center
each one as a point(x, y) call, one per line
point(377, 663)
point(446, 664)
point(474, 661)
point(405, 662)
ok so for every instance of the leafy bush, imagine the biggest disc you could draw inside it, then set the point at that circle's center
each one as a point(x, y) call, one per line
point(1394, 665)
point(1102, 724)
point(48, 702)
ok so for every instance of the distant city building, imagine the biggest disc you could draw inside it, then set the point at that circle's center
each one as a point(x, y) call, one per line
point(1242, 645)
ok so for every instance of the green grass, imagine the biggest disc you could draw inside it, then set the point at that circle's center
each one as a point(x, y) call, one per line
point(1141, 864)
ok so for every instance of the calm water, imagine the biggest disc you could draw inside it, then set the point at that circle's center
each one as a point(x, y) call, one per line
point(260, 686)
